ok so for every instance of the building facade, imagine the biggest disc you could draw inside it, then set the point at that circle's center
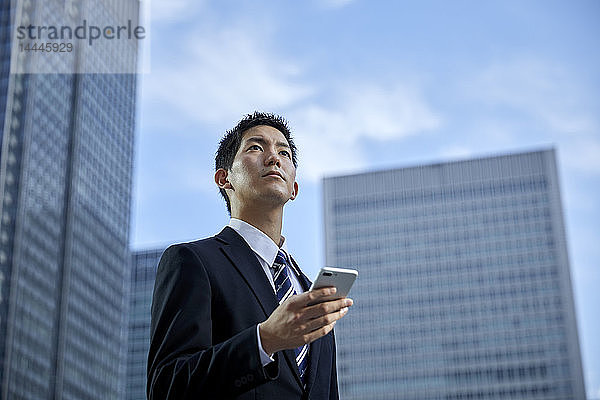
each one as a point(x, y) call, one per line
point(143, 274)
point(5, 46)
point(464, 289)
point(65, 186)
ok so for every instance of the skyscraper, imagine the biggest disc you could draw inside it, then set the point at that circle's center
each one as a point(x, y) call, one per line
point(464, 289)
point(65, 182)
point(5, 41)
point(143, 274)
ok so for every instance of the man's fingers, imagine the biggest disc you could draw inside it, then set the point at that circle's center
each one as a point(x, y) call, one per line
point(305, 324)
point(313, 296)
point(314, 335)
point(326, 319)
point(327, 307)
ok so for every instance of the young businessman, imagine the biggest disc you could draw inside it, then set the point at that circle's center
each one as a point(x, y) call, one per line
point(230, 314)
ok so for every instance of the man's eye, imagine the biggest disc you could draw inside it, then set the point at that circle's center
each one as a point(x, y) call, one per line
point(254, 147)
point(285, 153)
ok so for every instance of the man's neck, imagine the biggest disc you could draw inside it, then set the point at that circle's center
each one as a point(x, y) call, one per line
point(269, 222)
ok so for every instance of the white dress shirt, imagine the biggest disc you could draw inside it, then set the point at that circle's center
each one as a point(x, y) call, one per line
point(265, 250)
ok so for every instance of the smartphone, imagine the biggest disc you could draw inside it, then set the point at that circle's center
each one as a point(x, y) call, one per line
point(341, 278)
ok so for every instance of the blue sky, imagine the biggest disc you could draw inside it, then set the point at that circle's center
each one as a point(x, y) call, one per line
point(371, 85)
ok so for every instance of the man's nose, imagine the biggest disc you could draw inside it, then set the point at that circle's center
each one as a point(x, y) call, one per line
point(273, 158)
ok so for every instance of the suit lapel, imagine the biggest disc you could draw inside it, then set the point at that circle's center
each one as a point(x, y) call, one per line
point(244, 260)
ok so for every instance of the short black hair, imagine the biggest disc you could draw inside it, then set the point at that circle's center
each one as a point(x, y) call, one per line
point(231, 141)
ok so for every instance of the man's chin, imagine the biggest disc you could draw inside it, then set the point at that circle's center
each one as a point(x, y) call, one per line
point(275, 198)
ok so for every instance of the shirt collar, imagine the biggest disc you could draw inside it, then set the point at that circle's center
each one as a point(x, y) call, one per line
point(258, 241)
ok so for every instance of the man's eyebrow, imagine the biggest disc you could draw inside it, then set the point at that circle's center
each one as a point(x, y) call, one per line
point(259, 139)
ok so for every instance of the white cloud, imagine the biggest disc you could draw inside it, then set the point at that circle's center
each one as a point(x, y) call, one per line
point(583, 154)
point(550, 100)
point(218, 75)
point(329, 137)
point(323, 149)
point(543, 89)
point(334, 3)
point(456, 152)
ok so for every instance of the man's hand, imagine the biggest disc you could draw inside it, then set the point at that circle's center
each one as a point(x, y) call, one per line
point(295, 323)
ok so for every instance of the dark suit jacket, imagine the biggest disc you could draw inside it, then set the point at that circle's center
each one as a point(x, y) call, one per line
point(208, 298)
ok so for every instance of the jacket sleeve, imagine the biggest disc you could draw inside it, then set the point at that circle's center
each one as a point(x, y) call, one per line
point(182, 361)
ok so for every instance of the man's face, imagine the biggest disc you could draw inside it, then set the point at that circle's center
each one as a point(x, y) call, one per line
point(262, 172)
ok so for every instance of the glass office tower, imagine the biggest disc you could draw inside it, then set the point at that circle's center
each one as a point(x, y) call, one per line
point(143, 274)
point(464, 290)
point(5, 40)
point(65, 186)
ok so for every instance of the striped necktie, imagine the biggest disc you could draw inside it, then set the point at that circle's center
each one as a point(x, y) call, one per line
point(285, 289)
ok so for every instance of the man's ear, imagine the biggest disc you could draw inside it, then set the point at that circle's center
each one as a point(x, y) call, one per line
point(295, 191)
point(221, 179)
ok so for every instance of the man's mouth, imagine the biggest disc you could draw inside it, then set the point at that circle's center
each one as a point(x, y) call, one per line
point(274, 173)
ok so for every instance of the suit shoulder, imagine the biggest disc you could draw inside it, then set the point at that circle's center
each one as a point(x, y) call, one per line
point(202, 245)
point(199, 249)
